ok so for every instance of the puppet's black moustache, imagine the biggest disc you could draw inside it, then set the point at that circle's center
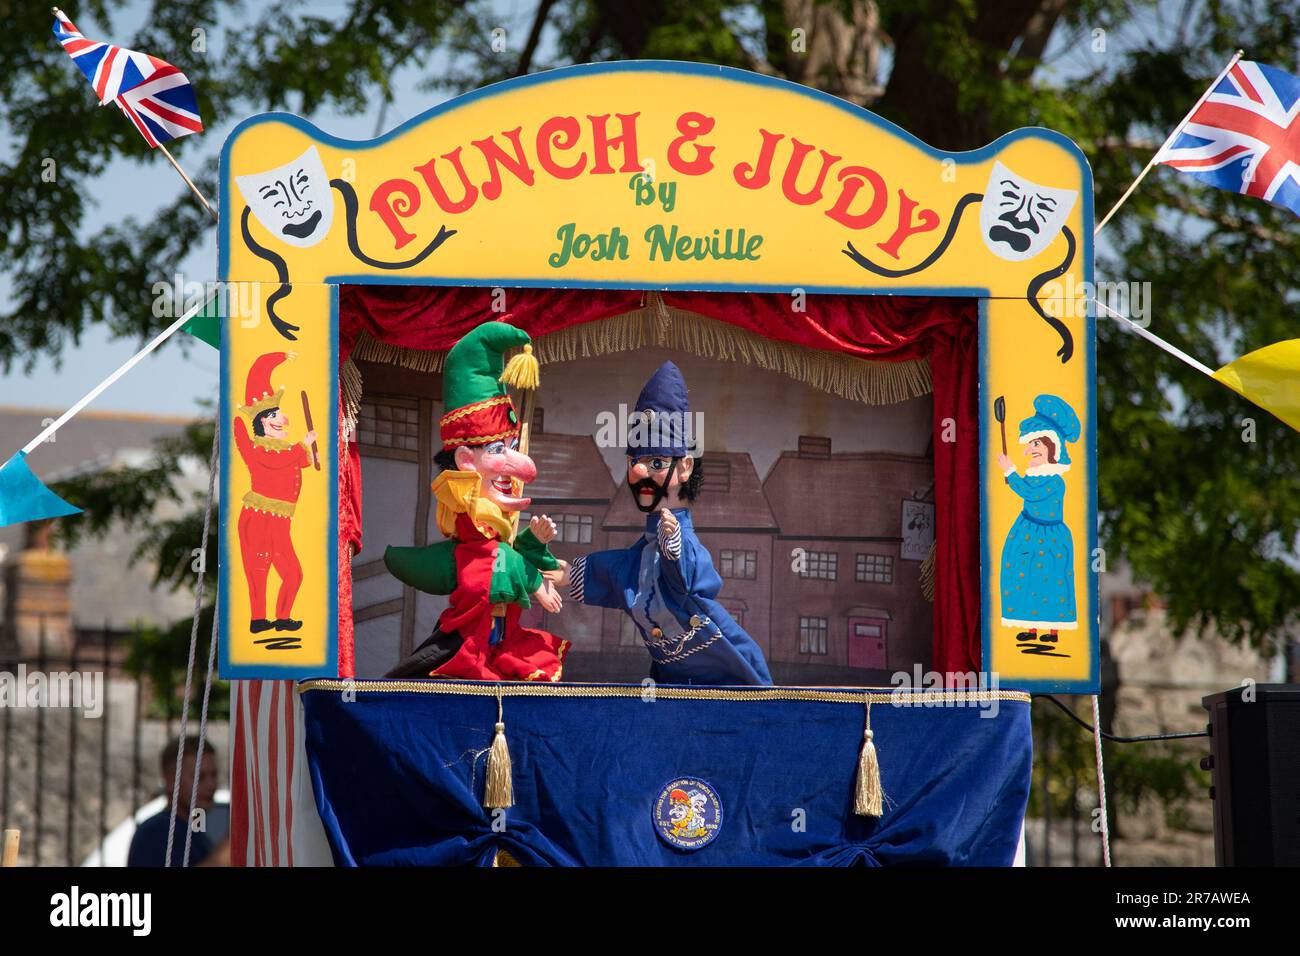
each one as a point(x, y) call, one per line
point(648, 484)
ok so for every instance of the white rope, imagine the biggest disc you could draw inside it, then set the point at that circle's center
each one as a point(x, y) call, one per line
point(203, 729)
point(1155, 340)
point(194, 640)
point(203, 713)
point(1101, 781)
point(121, 370)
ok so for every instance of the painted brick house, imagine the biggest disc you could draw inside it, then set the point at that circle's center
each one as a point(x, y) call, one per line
point(844, 601)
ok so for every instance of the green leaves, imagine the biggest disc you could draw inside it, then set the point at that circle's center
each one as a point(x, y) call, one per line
point(1202, 515)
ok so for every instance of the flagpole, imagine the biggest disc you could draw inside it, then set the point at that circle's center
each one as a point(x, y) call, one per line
point(1159, 152)
point(188, 182)
point(121, 370)
point(1154, 339)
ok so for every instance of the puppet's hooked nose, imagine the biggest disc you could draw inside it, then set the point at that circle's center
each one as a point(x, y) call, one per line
point(518, 465)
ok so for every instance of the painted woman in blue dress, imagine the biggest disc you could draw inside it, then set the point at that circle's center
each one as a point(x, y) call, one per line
point(1037, 568)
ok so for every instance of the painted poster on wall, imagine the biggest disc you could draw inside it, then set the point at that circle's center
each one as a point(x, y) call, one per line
point(917, 529)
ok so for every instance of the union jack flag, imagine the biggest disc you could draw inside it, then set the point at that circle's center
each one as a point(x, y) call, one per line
point(153, 94)
point(1245, 136)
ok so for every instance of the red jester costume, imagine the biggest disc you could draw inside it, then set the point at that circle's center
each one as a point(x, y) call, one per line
point(275, 466)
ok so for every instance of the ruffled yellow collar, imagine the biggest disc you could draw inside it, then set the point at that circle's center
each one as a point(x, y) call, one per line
point(460, 492)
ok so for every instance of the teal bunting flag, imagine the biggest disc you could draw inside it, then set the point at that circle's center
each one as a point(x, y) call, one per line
point(24, 497)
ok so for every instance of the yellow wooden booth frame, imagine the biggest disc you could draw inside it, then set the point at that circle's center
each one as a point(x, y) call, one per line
point(481, 190)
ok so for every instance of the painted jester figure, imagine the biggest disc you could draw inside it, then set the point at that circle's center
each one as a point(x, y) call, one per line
point(665, 581)
point(1038, 556)
point(275, 465)
point(491, 573)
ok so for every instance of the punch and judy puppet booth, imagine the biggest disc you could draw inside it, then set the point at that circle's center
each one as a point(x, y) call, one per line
point(888, 369)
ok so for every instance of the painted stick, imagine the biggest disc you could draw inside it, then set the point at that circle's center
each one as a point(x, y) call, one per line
point(10, 857)
point(523, 374)
point(306, 413)
point(528, 399)
point(1000, 413)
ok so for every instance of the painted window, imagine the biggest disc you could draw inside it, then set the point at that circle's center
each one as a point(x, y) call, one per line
point(875, 568)
point(812, 635)
point(628, 635)
point(575, 529)
point(383, 424)
point(823, 565)
point(738, 564)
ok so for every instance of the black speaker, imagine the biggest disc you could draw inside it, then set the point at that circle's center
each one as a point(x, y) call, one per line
point(1255, 767)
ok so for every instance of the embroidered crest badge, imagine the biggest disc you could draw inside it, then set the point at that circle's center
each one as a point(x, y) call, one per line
point(687, 813)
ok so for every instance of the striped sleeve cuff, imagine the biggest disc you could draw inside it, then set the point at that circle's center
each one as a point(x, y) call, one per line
point(670, 545)
point(577, 578)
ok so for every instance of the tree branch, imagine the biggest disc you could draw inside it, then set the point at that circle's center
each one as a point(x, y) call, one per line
point(1187, 204)
point(534, 36)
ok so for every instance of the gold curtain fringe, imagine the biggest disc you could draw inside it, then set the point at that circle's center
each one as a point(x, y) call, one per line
point(353, 387)
point(927, 575)
point(657, 325)
point(420, 360)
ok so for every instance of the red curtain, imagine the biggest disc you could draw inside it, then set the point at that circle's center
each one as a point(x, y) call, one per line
point(891, 328)
point(433, 318)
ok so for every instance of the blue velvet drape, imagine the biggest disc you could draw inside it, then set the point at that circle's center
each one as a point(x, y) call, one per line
point(399, 774)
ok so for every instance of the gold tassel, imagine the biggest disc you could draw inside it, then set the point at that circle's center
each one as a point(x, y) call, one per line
point(927, 575)
point(499, 791)
point(522, 371)
point(868, 797)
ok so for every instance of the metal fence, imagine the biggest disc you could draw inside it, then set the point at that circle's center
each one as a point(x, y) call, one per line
point(47, 801)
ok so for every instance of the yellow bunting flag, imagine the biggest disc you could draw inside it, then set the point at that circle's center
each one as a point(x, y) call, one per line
point(1269, 377)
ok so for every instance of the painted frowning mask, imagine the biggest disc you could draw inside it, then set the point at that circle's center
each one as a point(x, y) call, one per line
point(293, 202)
point(1019, 218)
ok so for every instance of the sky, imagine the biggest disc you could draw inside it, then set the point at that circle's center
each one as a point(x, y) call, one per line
point(184, 374)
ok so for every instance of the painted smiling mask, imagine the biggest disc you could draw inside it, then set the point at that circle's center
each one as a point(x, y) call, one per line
point(293, 202)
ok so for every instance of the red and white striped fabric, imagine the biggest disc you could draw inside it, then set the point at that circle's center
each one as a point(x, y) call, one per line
point(273, 818)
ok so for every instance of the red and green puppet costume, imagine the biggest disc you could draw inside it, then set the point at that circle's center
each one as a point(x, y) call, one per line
point(488, 571)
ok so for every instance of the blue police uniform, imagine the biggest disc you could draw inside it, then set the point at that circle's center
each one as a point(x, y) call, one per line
point(666, 581)
point(668, 585)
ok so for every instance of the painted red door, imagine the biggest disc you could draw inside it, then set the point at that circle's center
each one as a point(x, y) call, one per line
point(867, 636)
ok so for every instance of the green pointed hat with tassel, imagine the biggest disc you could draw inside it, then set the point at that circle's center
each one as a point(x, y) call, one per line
point(474, 382)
